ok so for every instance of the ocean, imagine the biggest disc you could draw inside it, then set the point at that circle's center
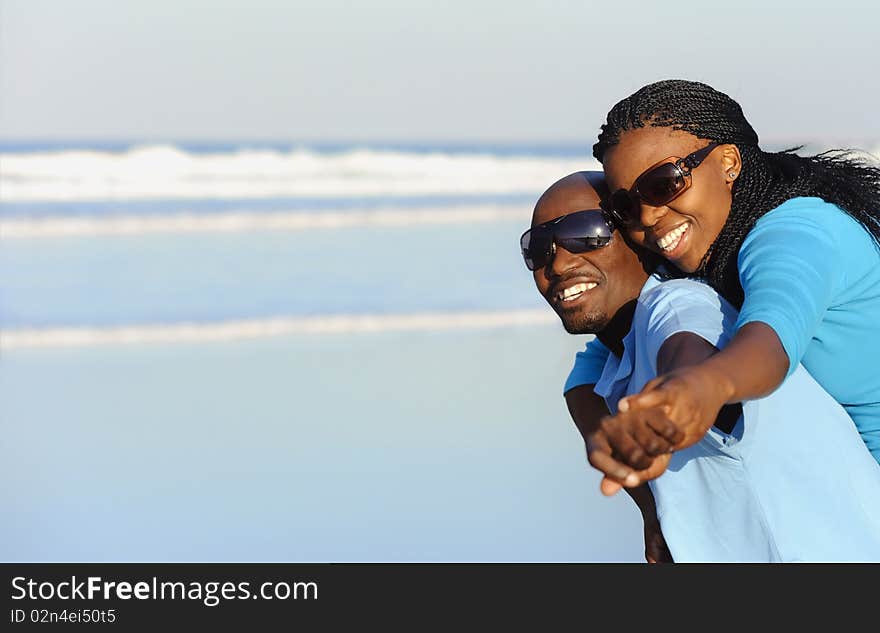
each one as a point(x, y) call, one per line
point(287, 352)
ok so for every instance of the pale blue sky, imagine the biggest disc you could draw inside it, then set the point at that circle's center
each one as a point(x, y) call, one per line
point(423, 69)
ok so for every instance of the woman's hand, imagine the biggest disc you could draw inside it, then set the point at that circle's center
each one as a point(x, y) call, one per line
point(689, 397)
point(695, 380)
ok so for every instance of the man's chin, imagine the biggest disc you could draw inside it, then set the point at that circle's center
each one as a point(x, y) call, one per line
point(583, 322)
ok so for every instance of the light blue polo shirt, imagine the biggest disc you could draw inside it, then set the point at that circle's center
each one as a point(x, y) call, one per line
point(792, 482)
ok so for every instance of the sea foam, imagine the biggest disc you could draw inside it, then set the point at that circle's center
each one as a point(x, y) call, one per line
point(240, 221)
point(168, 172)
point(262, 328)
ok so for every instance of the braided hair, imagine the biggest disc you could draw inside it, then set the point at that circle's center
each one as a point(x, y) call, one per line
point(767, 179)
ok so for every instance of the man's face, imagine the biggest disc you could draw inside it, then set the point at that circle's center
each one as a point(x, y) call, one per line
point(586, 290)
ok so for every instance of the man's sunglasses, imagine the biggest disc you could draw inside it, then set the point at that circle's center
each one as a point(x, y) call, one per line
point(660, 184)
point(576, 232)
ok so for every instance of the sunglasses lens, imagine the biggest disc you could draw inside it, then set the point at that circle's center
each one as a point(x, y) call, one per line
point(535, 245)
point(582, 244)
point(585, 227)
point(660, 185)
point(623, 208)
point(577, 232)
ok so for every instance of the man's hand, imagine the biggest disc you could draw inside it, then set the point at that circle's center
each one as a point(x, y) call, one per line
point(690, 398)
point(640, 436)
point(618, 474)
point(591, 417)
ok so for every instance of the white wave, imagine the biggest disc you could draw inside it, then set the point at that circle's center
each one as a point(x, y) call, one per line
point(233, 222)
point(161, 172)
point(263, 328)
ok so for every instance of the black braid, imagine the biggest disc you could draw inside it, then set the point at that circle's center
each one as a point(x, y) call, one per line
point(767, 179)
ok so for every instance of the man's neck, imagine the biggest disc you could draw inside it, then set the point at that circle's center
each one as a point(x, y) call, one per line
point(618, 327)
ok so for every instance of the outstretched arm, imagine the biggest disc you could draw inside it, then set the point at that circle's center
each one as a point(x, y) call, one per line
point(587, 410)
point(696, 381)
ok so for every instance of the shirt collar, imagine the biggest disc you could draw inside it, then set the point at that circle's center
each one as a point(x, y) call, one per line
point(616, 374)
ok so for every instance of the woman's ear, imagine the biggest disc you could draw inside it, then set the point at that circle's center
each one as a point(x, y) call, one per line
point(731, 163)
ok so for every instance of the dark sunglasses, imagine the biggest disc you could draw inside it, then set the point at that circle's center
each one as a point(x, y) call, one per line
point(660, 184)
point(576, 232)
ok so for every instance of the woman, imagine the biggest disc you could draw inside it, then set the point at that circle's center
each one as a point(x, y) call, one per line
point(793, 241)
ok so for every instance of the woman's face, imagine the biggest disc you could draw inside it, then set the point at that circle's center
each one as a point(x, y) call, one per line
point(683, 229)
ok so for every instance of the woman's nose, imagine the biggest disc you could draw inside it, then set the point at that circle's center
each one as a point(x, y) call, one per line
point(649, 215)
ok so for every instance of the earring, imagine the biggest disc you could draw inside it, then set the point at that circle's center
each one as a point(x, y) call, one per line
point(732, 175)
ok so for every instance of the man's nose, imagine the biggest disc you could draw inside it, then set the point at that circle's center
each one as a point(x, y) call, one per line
point(562, 261)
point(649, 216)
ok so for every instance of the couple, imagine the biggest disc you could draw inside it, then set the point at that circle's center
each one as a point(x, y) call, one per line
point(793, 243)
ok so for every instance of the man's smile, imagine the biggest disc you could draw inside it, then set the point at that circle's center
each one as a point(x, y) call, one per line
point(567, 294)
point(573, 292)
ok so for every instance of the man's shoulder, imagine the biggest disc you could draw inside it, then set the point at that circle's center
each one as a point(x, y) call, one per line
point(680, 294)
point(683, 305)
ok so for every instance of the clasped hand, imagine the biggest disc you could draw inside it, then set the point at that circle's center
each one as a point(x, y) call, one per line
point(672, 412)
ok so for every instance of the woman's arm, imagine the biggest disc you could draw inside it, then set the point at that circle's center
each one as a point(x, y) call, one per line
point(756, 347)
point(695, 384)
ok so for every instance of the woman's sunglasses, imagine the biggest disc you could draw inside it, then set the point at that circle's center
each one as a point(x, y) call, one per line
point(576, 232)
point(660, 184)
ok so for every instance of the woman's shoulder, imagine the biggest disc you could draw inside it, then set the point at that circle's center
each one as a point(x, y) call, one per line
point(807, 217)
point(806, 209)
point(806, 227)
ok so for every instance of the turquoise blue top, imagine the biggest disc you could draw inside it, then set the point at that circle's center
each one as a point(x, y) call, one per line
point(812, 273)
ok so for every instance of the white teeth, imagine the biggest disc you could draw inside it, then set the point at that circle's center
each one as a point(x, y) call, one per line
point(573, 292)
point(669, 241)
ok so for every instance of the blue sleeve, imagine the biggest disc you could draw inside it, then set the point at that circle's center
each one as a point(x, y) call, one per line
point(588, 365)
point(789, 268)
point(686, 306)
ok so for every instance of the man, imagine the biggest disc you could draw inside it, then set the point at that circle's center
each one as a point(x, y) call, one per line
point(754, 487)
